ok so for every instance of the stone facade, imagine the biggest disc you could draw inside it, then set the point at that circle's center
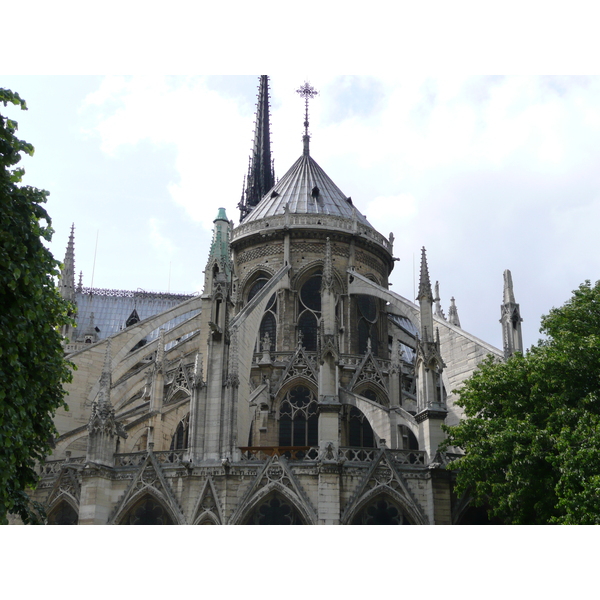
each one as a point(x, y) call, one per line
point(296, 389)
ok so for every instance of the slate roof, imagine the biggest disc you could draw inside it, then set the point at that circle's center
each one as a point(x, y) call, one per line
point(298, 189)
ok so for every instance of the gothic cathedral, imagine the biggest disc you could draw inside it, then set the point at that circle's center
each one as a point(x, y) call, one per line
point(296, 389)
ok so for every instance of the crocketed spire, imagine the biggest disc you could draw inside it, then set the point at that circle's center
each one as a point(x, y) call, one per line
point(261, 176)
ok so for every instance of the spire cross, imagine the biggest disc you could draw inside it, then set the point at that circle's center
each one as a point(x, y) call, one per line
point(307, 92)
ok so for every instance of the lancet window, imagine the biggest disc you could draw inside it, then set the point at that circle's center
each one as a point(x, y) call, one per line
point(298, 418)
point(147, 512)
point(359, 433)
point(269, 320)
point(367, 324)
point(179, 441)
point(275, 511)
point(63, 514)
point(309, 312)
point(380, 512)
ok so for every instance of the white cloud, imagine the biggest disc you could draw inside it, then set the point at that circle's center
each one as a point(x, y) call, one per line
point(484, 172)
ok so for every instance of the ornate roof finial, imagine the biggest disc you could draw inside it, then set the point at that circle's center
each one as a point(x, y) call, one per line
point(308, 92)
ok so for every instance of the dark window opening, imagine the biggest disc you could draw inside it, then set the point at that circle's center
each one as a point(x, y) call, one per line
point(360, 432)
point(275, 511)
point(180, 438)
point(63, 514)
point(307, 324)
point(380, 512)
point(147, 512)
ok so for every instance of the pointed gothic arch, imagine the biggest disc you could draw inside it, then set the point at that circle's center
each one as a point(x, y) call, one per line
point(356, 429)
point(207, 510)
point(207, 518)
point(268, 324)
point(147, 508)
point(63, 511)
point(380, 510)
point(411, 512)
point(373, 391)
point(295, 514)
point(180, 438)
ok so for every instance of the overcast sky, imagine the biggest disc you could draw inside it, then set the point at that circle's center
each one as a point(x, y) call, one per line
point(488, 173)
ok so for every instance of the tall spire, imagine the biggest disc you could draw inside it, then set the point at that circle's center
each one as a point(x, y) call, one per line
point(67, 273)
point(260, 171)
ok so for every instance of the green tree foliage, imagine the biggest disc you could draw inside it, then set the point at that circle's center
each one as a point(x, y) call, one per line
point(532, 428)
point(32, 367)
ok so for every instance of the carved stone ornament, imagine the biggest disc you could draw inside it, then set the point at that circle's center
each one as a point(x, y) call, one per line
point(102, 420)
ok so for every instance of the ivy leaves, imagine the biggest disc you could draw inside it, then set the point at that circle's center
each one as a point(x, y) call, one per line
point(32, 366)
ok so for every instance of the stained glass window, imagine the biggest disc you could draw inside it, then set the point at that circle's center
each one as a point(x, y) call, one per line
point(298, 418)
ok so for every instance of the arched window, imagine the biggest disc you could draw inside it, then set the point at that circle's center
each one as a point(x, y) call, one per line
point(63, 514)
point(147, 512)
point(275, 511)
point(269, 321)
point(380, 511)
point(179, 441)
point(359, 430)
point(309, 312)
point(409, 441)
point(367, 324)
point(298, 418)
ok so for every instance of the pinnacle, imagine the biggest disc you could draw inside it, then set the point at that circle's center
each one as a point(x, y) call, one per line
point(424, 282)
point(453, 313)
point(509, 295)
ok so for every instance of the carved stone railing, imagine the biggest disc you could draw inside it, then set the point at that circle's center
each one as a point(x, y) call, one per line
point(170, 457)
point(408, 458)
point(316, 220)
point(53, 467)
point(261, 453)
point(353, 360)
point(358, 455)
point(130, 459)
point(135, 459)
point(404, 458)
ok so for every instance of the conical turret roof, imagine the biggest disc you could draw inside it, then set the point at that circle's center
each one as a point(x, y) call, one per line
point(305, 189)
